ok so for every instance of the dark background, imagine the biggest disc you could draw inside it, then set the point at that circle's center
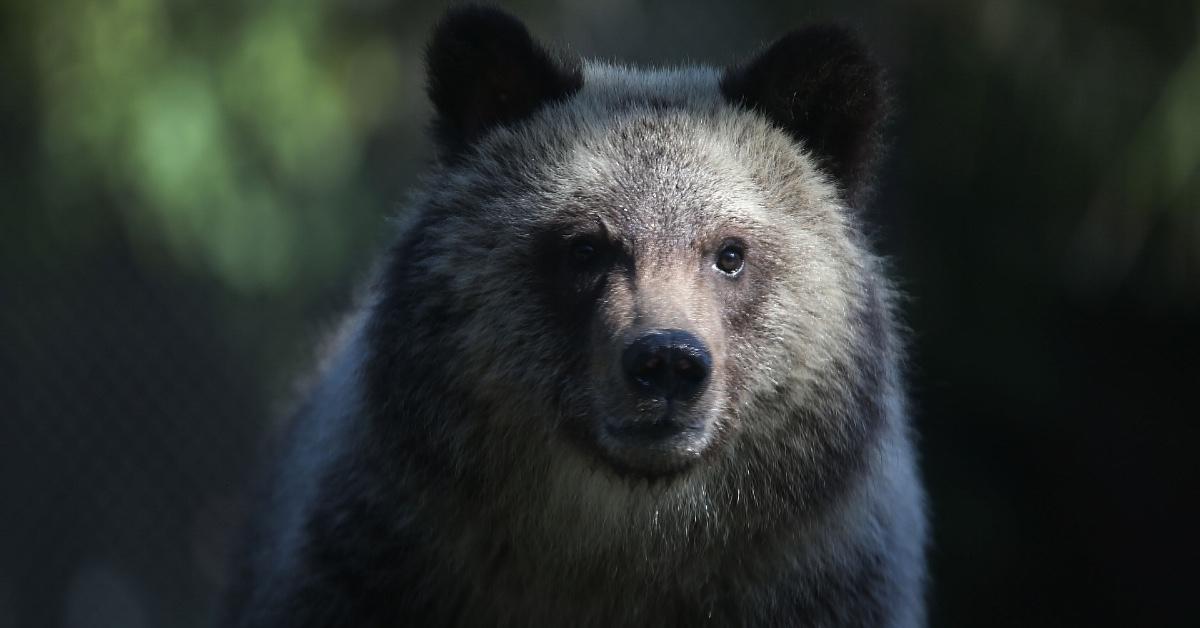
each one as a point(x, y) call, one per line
point(192, 190)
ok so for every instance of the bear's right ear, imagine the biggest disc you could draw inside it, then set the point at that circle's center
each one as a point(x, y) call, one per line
point(485, 70)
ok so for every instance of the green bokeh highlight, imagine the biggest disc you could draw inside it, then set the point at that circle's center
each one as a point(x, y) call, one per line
point(231, 145)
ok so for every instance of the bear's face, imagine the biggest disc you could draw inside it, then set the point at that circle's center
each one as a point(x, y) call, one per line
point(655, 267)
point(638, 276)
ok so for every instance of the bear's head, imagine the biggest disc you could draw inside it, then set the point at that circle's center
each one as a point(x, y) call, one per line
point(651, 276)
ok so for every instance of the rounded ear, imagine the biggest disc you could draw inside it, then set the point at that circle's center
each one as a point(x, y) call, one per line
point(821, 86)
point(484, 69)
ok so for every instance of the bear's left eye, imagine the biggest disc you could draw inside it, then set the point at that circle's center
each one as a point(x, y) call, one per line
point(730, 259)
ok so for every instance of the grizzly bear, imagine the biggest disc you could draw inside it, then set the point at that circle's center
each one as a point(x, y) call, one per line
point(629, 361)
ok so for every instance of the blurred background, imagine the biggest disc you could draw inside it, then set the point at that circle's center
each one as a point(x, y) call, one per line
point(191, 191)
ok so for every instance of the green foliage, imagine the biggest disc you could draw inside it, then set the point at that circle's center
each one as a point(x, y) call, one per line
point(232, 144)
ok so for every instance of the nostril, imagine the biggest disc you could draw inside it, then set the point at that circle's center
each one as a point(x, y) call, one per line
point(673, 364)
point(652, 364)
point(687, 369)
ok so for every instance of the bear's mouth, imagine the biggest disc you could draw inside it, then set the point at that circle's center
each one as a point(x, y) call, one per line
point(663, 446)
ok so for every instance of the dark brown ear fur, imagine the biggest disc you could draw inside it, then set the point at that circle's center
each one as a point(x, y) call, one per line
point(484, 70)
point(820, 85)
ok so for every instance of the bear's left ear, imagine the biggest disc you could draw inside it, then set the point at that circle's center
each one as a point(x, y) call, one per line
point(820, 85)
point(485, 70)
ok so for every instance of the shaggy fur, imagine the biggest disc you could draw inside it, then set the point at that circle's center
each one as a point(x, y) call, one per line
point(447, 467)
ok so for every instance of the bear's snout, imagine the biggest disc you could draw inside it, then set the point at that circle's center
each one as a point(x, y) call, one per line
point(664, 422)
point(671, 364)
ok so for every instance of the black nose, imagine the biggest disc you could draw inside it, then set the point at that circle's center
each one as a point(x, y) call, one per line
point(669, 363)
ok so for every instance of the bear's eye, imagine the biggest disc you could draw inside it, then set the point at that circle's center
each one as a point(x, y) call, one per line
point(582, 251)
point(730, 259)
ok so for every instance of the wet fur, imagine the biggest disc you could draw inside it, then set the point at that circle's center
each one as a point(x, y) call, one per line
point(441, 471)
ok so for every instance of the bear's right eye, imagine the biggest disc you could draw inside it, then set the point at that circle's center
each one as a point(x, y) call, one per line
point(582, 252)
